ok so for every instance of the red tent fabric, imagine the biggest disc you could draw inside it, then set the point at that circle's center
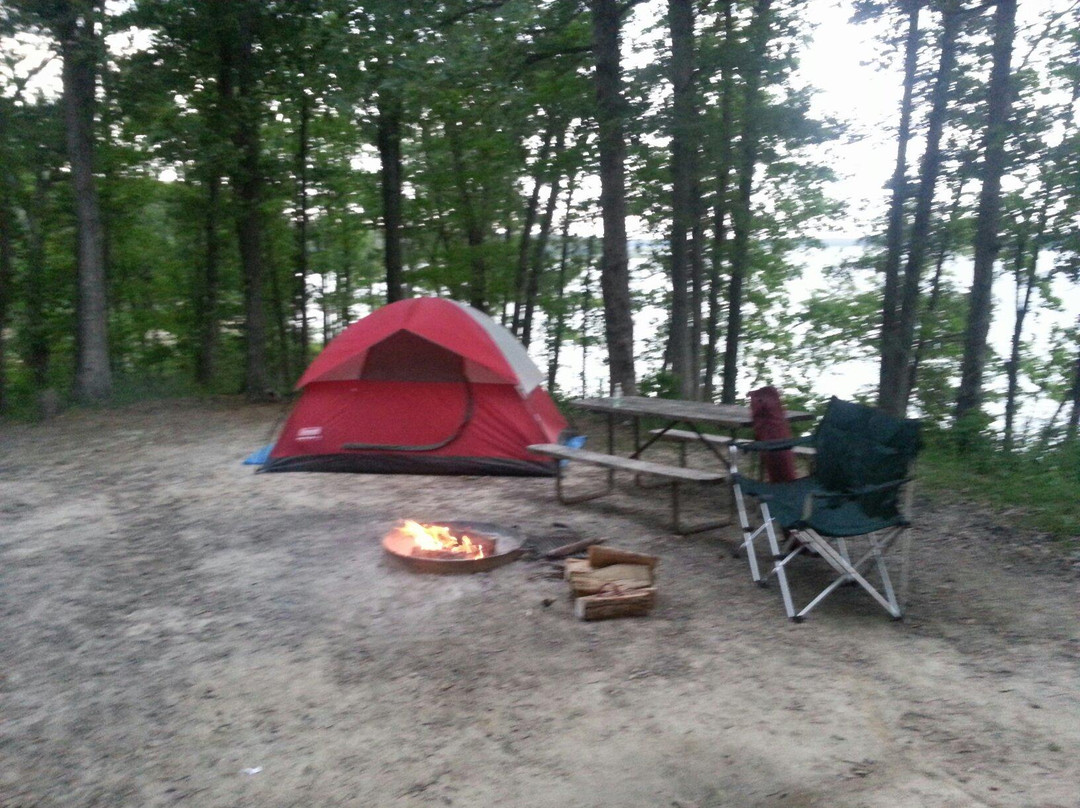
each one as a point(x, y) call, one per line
point(771, 423)
point(421, 386)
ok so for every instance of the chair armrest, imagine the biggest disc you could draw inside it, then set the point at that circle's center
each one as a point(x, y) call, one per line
point(852, 494)
point(855, 493)
point(776, 445)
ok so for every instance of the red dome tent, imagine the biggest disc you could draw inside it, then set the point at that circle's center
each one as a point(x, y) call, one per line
point(422, 386)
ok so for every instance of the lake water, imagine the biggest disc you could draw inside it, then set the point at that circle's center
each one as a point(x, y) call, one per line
point(846, 379)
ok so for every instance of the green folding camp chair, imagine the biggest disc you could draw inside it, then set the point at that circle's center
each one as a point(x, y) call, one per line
point(855, 500)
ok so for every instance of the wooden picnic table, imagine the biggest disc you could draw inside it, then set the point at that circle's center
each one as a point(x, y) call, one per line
point(672, 412)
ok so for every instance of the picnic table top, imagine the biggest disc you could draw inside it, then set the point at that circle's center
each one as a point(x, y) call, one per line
point(725, 415)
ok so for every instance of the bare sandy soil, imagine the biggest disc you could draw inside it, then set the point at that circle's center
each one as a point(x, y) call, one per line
point(175, 629)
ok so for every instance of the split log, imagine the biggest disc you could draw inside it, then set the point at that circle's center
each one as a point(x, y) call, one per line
point(585, 580)
point(571, 548)
point(627, 604)
point(606, 556)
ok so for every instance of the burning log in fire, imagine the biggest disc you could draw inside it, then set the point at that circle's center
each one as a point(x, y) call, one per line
point(442, 542)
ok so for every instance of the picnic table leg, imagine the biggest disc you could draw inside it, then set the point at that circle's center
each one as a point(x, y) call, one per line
point(575, 499)
point(686, 530)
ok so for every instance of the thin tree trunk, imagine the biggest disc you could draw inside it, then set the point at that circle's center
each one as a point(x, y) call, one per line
point(345, 271)
point(684, 170)
point(81, 52)
point(929, 313)
point(7, 267)
point(586, 309)
point(388, 136)
point(207, 296)
point(1025, 283)
point(300, 277)
point(1072, 429)
point(894, 234)
point(720, 206)
point(742, 219)
point(987, 244)
point(473, 232)
point(521, 275)
point(893, 393)
point(615, 267)
point(558, 329)
point(539, 256)
point(237, 91)
point(279, 308)
point(37, 342)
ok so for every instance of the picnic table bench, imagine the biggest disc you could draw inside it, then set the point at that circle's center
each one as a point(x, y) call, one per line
point(672, 475)
point(685, 437)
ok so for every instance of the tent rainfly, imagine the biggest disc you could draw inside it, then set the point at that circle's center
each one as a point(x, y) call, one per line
point(421, 386)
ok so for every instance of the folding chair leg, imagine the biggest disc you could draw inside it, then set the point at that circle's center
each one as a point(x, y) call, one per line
point(779, 561)
point(748, 535)
point(838, 559)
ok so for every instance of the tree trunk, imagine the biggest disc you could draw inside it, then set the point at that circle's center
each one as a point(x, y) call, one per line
point(987, 245)
point(928, 315)
point(206, 299)
point(522, 273)
point(81, 52)
point(720, 206)
point(894, 234)
point(1073, 427)
point(615, 264)
point(893, 393)
point(473, 231)
point(7, 267)
point(1025, 283)
point(742, 219)
point(539, 256)
point(344, 285)
point(586, 311)
point(37, 341)
point(683, 170)
point(247, 183)
point(388, 136)
point(558, 326)
point(301, 296)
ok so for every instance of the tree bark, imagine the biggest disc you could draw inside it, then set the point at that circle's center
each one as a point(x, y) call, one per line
point(742, 218)
point(683, 170)
point(1072, 429)
point(37, 341)
point(388, 137)
point(473, 231)
point(522, 273)
point(720, 206)
point(7, 266)
point(539, 252)
point(894, 234)
point(615, 264)
point(558, 327)
point(81, 51)
point(247, 185)
point(207, 296)
point(987, 244)
point(894, 392)
point(301, 295)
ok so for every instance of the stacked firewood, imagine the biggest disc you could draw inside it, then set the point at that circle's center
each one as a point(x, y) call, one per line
point(612, 583)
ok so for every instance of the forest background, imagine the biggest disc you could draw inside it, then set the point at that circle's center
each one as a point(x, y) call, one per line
point(196, 196)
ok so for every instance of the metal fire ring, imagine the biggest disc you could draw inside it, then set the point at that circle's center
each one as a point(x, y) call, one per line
point(509, 545)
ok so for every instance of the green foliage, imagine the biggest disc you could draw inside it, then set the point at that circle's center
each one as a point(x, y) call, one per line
point(1035, 490)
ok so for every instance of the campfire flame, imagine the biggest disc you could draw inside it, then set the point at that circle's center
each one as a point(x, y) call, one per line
point(437, 538)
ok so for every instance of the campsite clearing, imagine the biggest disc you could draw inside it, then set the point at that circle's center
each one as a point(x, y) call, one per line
point(178, 630)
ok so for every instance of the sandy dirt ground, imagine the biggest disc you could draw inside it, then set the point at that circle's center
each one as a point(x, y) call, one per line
point(175, 629)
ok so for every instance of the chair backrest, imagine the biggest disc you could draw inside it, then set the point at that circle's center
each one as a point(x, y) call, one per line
point(770, 423)
point(859, 446)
